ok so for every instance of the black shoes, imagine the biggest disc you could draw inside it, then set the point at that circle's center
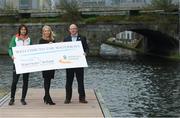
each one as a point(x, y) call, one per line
point(67, 101)
point(23, 102)
point(83, 101)
point(80, 101)
point(48, 100)
point(11, 102)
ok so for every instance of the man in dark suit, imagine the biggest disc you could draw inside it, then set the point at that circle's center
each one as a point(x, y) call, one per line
point(78, 72)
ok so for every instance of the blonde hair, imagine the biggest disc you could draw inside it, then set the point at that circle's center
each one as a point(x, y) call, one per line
point(52, 35)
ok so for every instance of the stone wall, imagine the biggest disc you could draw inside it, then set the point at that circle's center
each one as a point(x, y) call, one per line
point(95, 34)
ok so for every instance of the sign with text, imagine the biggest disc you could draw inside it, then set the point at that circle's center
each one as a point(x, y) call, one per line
point(42, 57)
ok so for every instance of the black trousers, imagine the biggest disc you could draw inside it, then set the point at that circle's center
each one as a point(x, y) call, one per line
point(47, 83)
point(15, 81)
point(79, 73)
point(47, 75)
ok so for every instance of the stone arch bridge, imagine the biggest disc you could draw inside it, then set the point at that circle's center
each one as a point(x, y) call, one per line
point(158, 40)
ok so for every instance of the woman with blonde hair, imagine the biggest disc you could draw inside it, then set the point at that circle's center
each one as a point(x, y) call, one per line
point(47, 37)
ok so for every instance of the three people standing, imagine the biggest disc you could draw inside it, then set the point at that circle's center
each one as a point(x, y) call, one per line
point(22, 39)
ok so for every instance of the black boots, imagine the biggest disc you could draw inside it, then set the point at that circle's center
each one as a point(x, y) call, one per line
point(23, 102)
point(11, 102)
point(48, 100)
point(68, 96)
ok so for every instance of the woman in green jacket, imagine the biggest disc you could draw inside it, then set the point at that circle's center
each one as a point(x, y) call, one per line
point(20, 39)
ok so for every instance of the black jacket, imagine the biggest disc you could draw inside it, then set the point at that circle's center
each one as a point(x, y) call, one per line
point(79, 38)
point(49, 73)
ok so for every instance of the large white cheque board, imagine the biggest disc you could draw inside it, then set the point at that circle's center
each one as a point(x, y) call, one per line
point(41, 57)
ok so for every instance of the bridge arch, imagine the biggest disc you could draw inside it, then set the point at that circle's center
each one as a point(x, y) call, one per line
point(156, 41)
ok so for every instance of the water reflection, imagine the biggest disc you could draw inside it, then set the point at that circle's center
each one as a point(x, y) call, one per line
point(144, 87)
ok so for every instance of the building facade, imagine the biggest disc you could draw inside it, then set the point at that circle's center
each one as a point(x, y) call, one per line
point(101, 6)
point(128, 35)
point(50, 4)
point(28, 4)
point(113, 3)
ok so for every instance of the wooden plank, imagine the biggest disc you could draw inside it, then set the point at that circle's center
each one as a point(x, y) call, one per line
point(37, 109)
point(104, 108)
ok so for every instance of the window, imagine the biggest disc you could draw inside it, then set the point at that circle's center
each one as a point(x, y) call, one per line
point(25, 4)
point(2, 4)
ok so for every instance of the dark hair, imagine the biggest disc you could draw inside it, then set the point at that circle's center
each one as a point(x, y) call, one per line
point(20, 27)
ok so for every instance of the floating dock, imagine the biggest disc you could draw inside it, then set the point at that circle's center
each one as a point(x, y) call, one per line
point(36, 108)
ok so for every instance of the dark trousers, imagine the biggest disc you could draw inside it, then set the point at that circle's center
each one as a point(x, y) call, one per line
point(15, 81)
point(79, 72)
point(47, 83)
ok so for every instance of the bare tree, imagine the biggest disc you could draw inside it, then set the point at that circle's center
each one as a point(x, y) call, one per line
point(71, 10)
point(9, 11)
point(166, 5)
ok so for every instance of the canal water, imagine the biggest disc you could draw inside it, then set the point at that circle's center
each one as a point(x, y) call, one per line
point(141, 87)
